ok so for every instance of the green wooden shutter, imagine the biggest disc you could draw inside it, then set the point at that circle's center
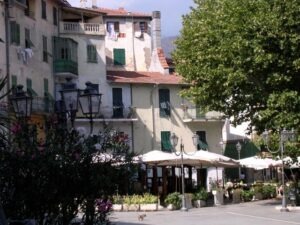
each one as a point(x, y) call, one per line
point(119, 56)
point(14, 32)
point(46, 85)
point(165, 141)
point(44, 12)
point(14, 81)
point(55, 16)
point(45, 49)
point(91, 53)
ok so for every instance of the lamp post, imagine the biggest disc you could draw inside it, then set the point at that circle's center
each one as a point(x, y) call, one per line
point(285, 135)
point(89, 100)
point(238, 147)
point(21, 102)
point(174, 142)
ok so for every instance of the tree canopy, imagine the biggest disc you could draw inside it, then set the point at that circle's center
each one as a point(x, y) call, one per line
point(242, 58)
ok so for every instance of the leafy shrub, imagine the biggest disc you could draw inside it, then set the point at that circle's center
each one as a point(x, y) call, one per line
point(117, 199)
point(132, 199)
point(202, 194)
point(247, 195)
point(174, 199)
point(147, 198)
point(268, 191)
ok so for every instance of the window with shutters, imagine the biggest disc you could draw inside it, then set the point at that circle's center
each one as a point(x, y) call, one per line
point(166, 145)
point(91, 54)
point(28, 42)
point(45, 49)
point(202, 143)
point(29, 87)
point(119, 56)
point(117, 102)
point(14, 33)
point(164, 102)
point(44, 10)
point(14, 81)
point(113, 30)
point(141, 26)
point(55, 22)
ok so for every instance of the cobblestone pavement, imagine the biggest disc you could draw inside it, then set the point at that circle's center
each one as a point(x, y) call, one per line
point(252, 213)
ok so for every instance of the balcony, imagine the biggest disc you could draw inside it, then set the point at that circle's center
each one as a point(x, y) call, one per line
point(196, 114)
point(21, 2)
point(65, 68)
point(82, 28)
point(115, 114)
point(42, 105)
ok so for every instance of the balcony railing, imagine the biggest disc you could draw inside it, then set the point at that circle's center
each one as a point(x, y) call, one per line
point(62, 66)
point(192, 113)
point(42, 105)
point(21, 2)
point(118, 112)
point(82, 28)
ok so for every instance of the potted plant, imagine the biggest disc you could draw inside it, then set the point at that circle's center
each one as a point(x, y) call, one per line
point(217, 192)
point(200, 197)
point(148, 202)
point(117, 201)
point(247, 195)
point(131, 202)
point(173, 201)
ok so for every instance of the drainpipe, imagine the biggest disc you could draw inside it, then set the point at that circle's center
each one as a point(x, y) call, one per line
point(153, 116)
point(132, 131)
point(7, 42)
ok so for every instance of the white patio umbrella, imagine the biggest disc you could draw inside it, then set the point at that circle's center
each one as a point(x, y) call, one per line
point(259, 163)
point(214, 159)
point(156, 157)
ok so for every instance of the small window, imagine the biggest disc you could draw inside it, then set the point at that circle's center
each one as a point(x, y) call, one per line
point(45, 49)
point(119, 56)
point(29, 88)
point(117, 102)
point(14, 81)
point(55, 22)
point(46, 85)
point(202, 143)
point(113, 30)
point(141, 26)
point(14, 32)
point(44, 10)
point(166, 145)
point(164, 102)
point(28, 42)
point(92, 54)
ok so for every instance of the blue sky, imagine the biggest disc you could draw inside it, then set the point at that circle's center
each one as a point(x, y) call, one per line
point(171, 10)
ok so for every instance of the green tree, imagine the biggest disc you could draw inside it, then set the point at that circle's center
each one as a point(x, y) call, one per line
point(242, 58)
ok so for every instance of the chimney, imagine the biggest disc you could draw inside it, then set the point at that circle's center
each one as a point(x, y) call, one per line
point(156, 30)
point(94, 4)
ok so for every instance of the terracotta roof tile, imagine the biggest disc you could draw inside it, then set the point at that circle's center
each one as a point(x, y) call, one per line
point(162, 58)
point(135, 77)
point(121, 12)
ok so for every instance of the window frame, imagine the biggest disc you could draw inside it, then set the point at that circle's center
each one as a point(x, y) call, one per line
point(165, 140)
point(164, 98)
point(55, 16)
point(45, 48)
point(119, 57)
point(44, 9)
point(91, 54)
point(15, 37)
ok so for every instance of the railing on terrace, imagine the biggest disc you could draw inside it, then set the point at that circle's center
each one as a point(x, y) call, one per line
point(197, 113)
point(82, 28)
point(118, 112)
point(65, 66)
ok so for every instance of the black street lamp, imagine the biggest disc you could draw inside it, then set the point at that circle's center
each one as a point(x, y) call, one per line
point(285, 135)
point(69, 95)
point(174, 142)
point(238, 147)
point(21, 102)
point(90, 101)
